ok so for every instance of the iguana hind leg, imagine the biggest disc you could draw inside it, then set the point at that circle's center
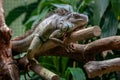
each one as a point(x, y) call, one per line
point(35, 44)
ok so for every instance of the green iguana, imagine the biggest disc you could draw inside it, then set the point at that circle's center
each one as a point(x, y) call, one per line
point(53, 27)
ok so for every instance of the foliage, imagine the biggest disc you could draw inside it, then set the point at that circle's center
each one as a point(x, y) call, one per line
point(105, 13)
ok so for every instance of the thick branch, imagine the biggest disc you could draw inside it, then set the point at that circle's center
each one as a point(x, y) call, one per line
point(21, 45)
point(97, 68)
point(95, 47)
point(8, 69)
point(86, 33)
point(2, 20)
point(45, 73)
point(89, 50)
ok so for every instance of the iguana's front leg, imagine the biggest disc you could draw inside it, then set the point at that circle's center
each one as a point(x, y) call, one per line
point(36, 43)
point(54, 37)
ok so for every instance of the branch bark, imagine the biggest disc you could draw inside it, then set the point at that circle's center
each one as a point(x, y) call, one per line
point(109, 43)
point(86, 33)
point(8, 68)
point(45, 73)
point(97, 68)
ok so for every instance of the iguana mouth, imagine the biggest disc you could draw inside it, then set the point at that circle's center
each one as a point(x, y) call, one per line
point(77, 28)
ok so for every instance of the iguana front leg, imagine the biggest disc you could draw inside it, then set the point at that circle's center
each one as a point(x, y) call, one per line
point(36, 43)
point(54, 37)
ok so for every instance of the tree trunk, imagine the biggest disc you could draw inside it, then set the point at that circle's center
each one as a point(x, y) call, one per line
point(8, 69)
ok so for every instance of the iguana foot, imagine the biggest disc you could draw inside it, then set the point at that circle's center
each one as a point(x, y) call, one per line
point(27, 67)
point(33, 61)
point(68, 47)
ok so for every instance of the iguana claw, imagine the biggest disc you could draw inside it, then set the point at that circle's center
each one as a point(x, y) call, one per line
point(68, 47)
point(27, 68)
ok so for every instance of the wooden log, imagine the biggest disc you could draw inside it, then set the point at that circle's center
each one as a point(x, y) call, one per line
point(98, 68)
point(95, 47)
point(89, 50)
point(8, 68)
point(45, 73)
point(86, 33)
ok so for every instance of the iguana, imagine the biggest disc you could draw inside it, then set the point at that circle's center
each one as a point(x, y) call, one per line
point(53, 27)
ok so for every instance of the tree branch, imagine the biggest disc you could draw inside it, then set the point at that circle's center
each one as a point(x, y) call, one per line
point(89, 51)
point(8, 68)
point(95, 47)
point(86, 33)
point(45, 73)
point(97, 68)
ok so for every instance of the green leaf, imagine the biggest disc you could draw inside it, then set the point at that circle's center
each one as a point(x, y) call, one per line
point(41, 16)
point(77, 74)
point(64, 63)
point(67, 74)
point(14, 14)
point(56, 62)
point(83, 5)
point(35, 19)
point(62, 78)
point(116, 7)
point(43, 4)
point(29, 11)
point(47, 3)
point(110, 24)
point(100, 7)
point(65, 6)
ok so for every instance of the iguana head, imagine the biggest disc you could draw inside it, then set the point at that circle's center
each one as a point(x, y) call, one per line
point(72, 21)
point(77, 19)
